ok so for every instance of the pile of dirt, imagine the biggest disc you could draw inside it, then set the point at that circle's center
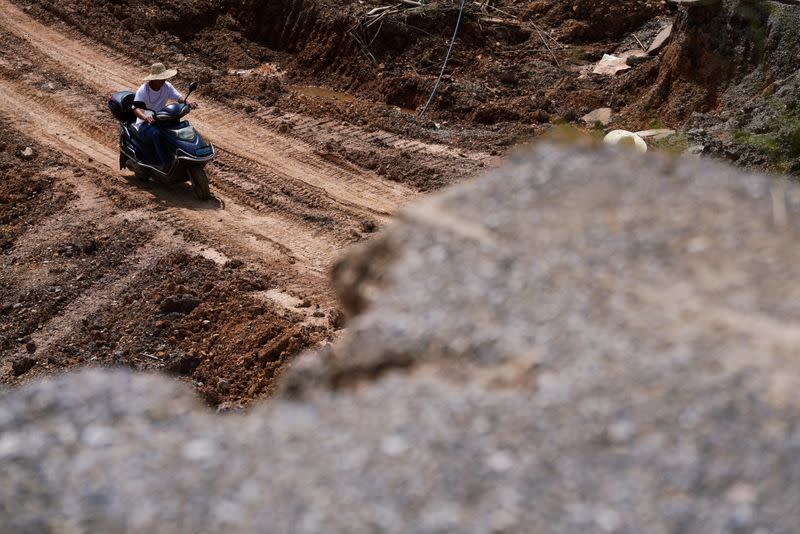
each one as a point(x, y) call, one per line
point(26, 195)
point(229, 344)
point(347, 87)
point(585, 21)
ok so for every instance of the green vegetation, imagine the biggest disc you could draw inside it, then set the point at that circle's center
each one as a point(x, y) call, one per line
point(781, 143)
point(675, 144)
point(766, 144)
point(757, 14)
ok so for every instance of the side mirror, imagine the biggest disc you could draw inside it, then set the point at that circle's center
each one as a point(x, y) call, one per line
point(139, 105)
point(192, 87)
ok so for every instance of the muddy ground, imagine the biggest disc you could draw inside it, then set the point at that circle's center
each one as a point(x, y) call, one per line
point(88, 281)
point(314, 112)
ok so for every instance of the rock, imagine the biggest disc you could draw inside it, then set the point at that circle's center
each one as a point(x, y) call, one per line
point(610, 65)
point(184, 365)
point(545, 349)
point(183, 304)
point(22, 365)
point(27, 153)
point(696, 150)
point(30, 346)
point(656, 134)
point(234, 264)
point(661, 40)
point(223, 386)
point(602, 115)
point(626, 139)
point(636, 57)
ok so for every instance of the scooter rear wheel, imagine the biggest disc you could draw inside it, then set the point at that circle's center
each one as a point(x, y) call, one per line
point(199, 180)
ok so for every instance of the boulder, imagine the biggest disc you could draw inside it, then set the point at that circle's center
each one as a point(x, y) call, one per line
point(656, 134)
point(586, 340)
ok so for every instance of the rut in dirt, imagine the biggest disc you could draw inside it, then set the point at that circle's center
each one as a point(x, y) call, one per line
point(284, 157)
point(282, 209)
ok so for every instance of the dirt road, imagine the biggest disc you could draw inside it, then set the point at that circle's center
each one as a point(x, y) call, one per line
point(282, 205)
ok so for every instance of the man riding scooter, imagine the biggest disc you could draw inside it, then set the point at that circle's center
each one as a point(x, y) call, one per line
point(154, 95)
point(162, 145)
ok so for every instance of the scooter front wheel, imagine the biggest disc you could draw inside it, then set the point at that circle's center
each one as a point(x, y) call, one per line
point(199, 180)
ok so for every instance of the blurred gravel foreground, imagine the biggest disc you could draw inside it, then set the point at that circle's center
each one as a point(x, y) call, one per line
point(582, 341)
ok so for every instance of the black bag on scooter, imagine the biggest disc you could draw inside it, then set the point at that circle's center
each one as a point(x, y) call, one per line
point(121, 106)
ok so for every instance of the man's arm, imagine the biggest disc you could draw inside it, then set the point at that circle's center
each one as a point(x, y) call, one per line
point(141, 96)
point(182, 100)
point(179, 98)
point(142, 114)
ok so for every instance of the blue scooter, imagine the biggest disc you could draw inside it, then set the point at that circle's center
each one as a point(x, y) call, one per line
point(189, 153)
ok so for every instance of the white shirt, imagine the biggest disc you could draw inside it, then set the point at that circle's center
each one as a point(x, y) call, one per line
point(155, 100)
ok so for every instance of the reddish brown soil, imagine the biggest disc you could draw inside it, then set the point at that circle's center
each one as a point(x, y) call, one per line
point(503, 84)
point(56, 314)
point(314, 113)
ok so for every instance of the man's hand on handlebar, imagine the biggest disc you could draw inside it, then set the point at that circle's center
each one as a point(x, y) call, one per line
point(149, 119)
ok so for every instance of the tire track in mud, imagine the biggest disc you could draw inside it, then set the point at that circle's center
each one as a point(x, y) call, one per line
point(354, 190)
point(264, 236)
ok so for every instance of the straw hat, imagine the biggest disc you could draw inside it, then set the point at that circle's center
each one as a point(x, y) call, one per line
point(159, 72)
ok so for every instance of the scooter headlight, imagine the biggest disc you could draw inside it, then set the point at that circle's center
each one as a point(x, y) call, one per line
point(186, 134)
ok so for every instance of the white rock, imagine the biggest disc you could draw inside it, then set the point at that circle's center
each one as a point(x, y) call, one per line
point(626, 139)
point(610, 65)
